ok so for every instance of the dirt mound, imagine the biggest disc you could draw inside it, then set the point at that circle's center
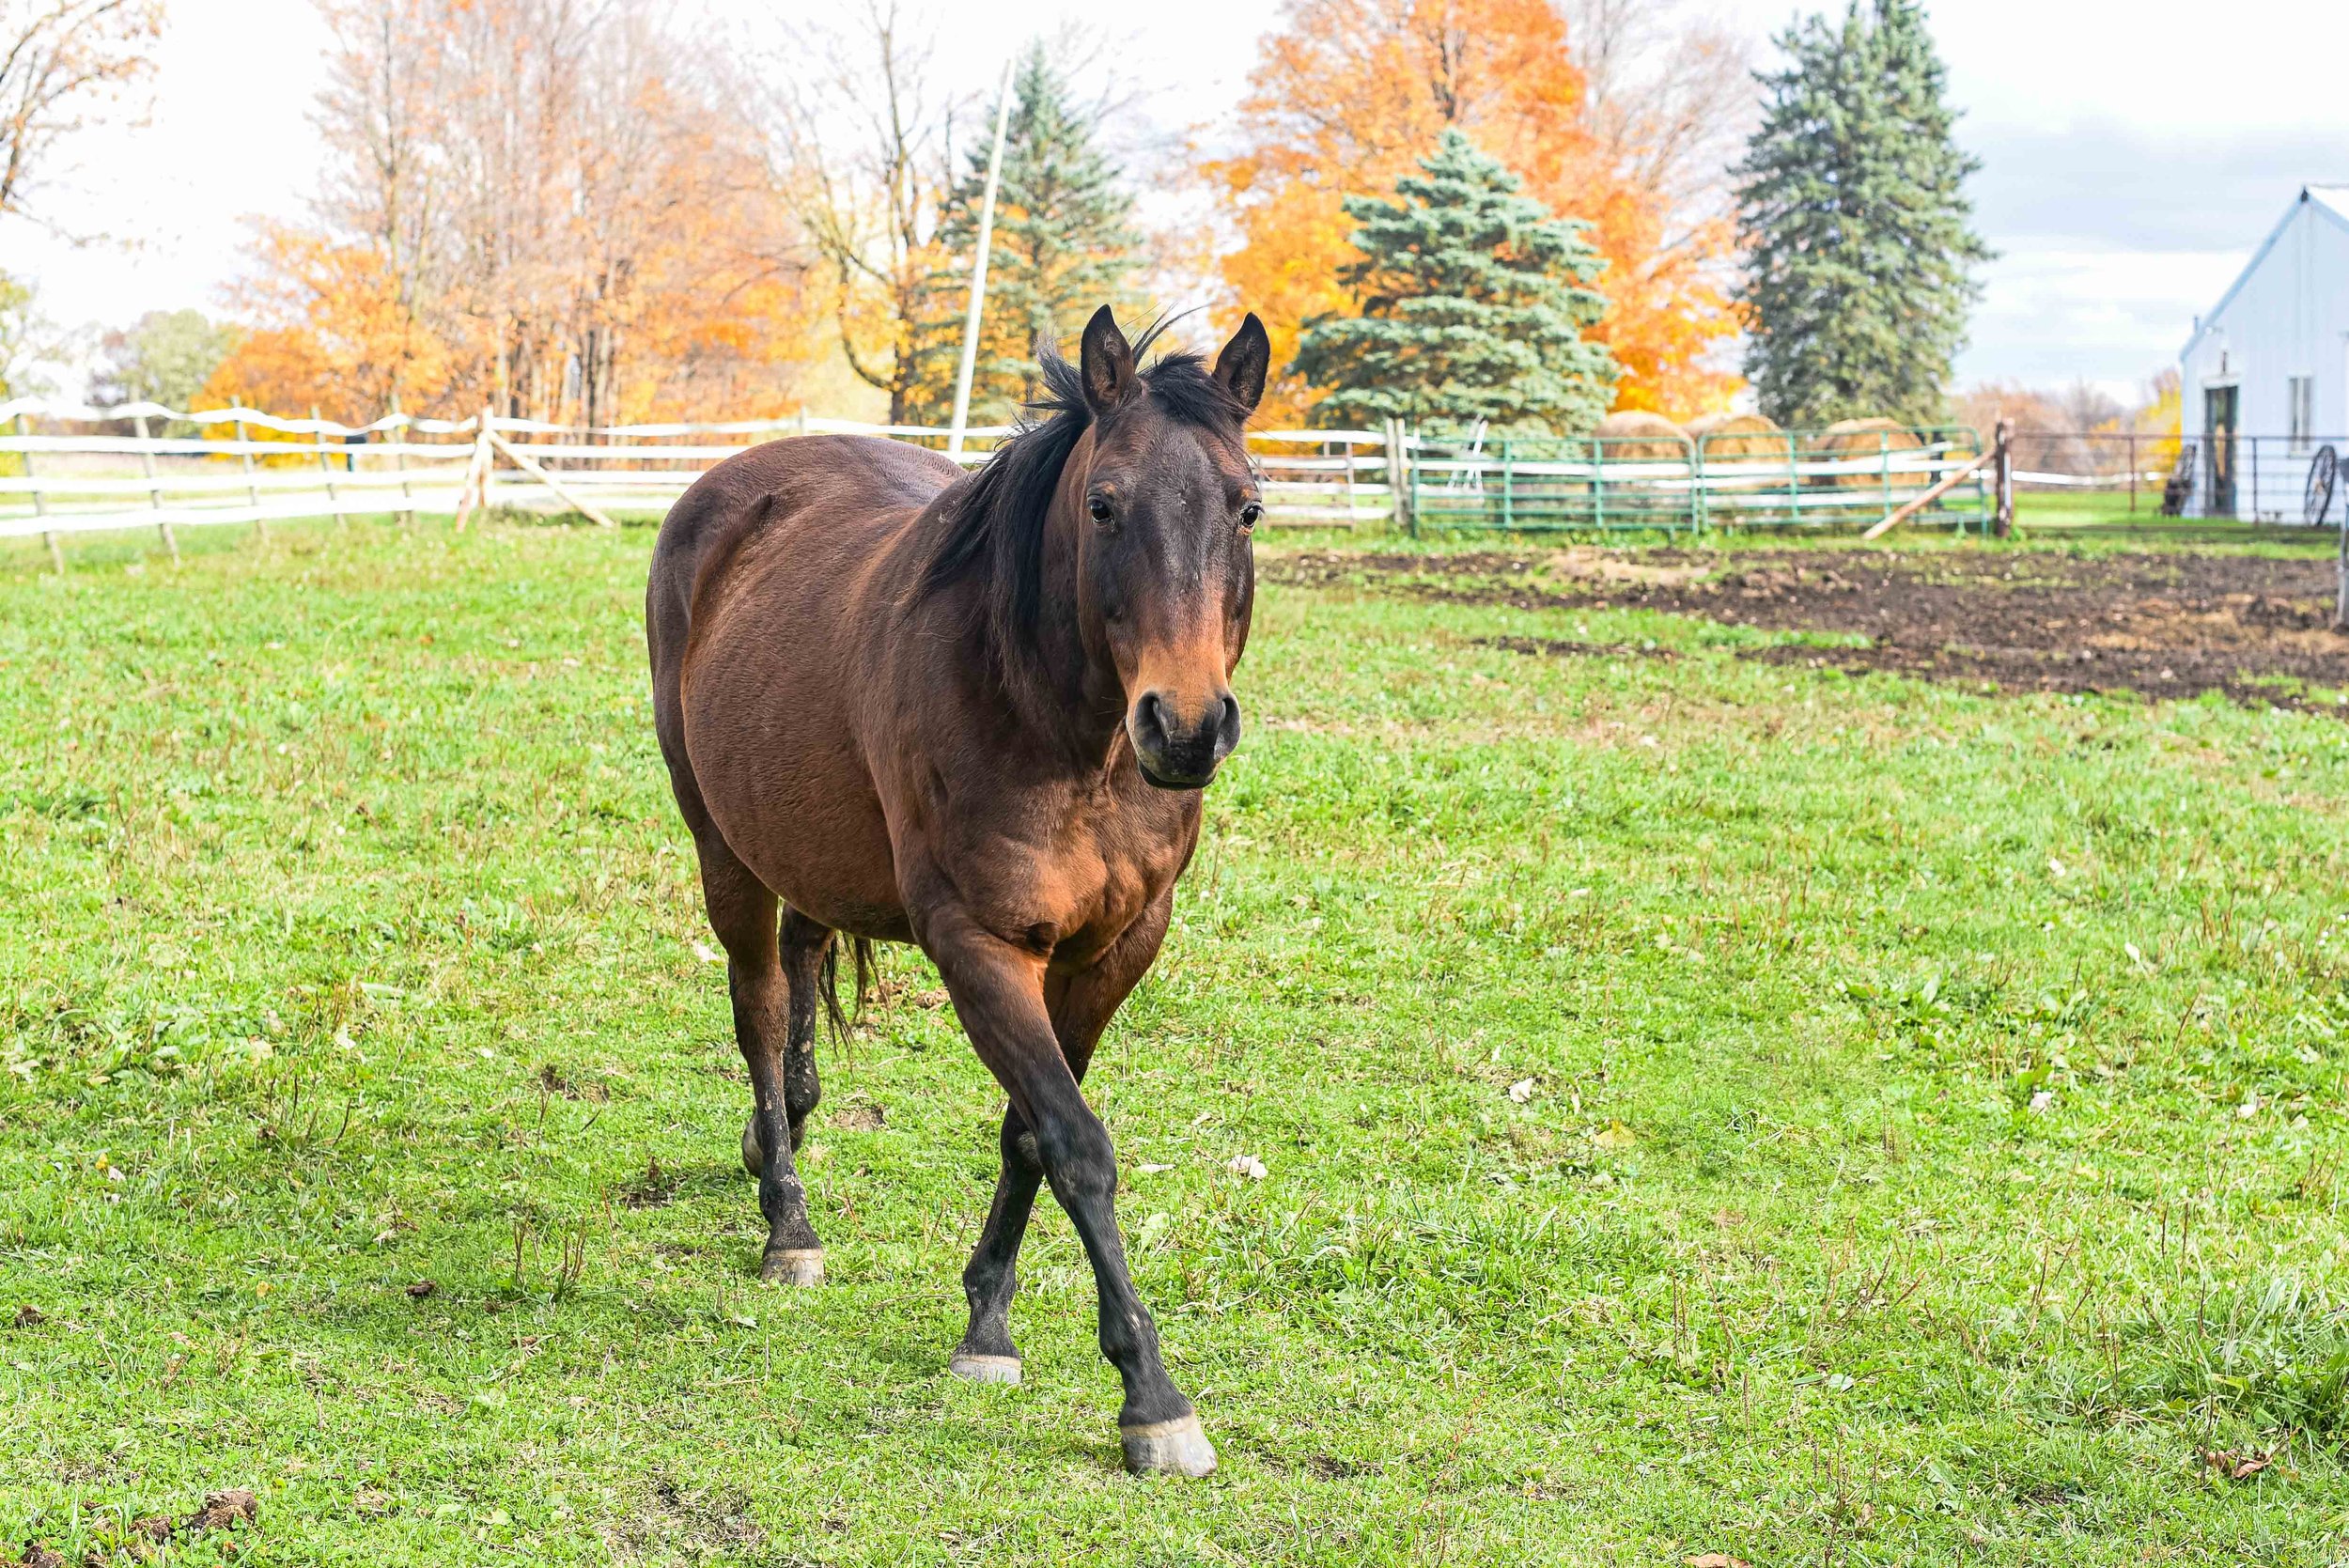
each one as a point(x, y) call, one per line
point(2256, 629)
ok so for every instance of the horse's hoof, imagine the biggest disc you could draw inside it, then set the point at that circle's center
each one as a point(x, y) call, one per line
point(984, 1369)
point(754, 1156)
point(1168, 1448)
point(792, 1265)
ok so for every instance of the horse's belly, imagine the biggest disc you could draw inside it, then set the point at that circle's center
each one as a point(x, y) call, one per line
point(782, 784)
point(830, 861)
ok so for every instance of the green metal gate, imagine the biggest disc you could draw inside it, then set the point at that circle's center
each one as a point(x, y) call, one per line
point(1624, 484)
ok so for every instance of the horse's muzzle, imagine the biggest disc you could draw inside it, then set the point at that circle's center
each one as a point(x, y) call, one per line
point(1175, 754)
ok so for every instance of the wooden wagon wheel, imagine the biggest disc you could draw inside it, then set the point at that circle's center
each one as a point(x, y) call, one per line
point(2319, 496)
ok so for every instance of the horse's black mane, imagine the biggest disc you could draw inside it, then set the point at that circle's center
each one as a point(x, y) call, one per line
point(993, 529)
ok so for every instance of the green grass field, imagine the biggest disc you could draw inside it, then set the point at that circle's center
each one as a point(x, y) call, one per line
point(1708, 1107)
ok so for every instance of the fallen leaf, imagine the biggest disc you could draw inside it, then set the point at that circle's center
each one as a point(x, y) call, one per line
point(2043, 1099)
point(28, 1314)
point(1522, 1091)
point(2248, 1109)
point(1614, 1136)
point(1715, 1559)
point(1248, 1166)
point(1149, 1170)
point(705, 953)
point(2235, 1466)
point(422, 1288)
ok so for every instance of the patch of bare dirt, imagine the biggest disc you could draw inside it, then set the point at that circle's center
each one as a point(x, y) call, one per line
point(672, 1522)
point(2172, 624)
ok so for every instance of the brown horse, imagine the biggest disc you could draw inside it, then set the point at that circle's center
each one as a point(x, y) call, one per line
point(973, 712)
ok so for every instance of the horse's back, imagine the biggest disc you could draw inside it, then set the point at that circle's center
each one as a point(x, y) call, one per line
point(841, 494)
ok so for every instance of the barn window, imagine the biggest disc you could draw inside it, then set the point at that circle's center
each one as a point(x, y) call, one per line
point(2300, 398)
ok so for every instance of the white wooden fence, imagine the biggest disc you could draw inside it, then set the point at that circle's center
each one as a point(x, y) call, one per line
point(141, 465)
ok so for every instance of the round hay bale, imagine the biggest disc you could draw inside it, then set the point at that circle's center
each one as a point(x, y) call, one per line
point(1738, 435)
point(1862, 438)
point(1634, 435)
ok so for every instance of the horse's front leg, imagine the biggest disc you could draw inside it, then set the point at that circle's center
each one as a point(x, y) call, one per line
point(1080, 1006)
point(999, 990)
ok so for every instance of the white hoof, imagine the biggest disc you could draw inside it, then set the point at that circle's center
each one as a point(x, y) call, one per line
point(792, 1265)
point(984, 1369)
point(1169, 1448)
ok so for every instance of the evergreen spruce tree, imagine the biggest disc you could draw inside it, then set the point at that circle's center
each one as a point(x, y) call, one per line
point(1474, 302)
point(1855, 221)
point(1063, 246)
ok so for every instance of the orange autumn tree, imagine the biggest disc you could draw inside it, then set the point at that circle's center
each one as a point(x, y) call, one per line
point(1349, 94)
point(550, 210)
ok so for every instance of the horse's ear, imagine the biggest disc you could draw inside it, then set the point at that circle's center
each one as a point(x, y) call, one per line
point(1106, 361)
point(1245, 362)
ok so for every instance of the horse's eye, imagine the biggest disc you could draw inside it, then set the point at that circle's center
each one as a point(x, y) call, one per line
point(1100, 510)
point(1247, 516)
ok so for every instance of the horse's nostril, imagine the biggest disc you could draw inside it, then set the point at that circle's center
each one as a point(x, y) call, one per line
point(1150, 719)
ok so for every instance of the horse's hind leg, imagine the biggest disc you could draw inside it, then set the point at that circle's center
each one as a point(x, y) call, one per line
point(801, 948)
point(768, 1003)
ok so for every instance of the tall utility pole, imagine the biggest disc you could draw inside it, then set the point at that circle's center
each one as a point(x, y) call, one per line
point(978, 269)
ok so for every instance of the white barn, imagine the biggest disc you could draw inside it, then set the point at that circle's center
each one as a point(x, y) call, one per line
point(2265, 375)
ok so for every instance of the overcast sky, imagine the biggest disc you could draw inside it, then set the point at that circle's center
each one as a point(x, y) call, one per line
point(2130, 165)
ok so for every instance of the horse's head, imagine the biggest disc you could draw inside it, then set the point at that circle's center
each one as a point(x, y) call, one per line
point(1166, 574)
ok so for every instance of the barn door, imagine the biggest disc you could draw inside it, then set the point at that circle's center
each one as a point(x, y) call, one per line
point(2219, 404)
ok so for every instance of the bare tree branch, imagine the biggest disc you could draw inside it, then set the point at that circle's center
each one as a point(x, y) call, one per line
point(63, 62)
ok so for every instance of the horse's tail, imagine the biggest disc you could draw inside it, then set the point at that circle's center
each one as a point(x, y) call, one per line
point(861, 958)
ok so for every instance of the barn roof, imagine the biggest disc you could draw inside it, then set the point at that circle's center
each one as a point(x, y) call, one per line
point(2331, 201)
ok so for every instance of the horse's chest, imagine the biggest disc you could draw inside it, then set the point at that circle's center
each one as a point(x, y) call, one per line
point(1078, 891)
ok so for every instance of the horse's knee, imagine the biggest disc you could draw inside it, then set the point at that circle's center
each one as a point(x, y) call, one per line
point(1079, 1158)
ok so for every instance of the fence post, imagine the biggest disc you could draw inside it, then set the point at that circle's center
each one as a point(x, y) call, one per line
point(1794, 480)
point(1396, 502)
point(251, 491)
point(2341, 576)
point(318, 442)
point(40, 506)
point(399, 439)
point(2003, 525)
point(2132, 473)
point(1700, 518)
point(2254, 441)
point(1412, 464)
point(154, 493)
point(1348, 445)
